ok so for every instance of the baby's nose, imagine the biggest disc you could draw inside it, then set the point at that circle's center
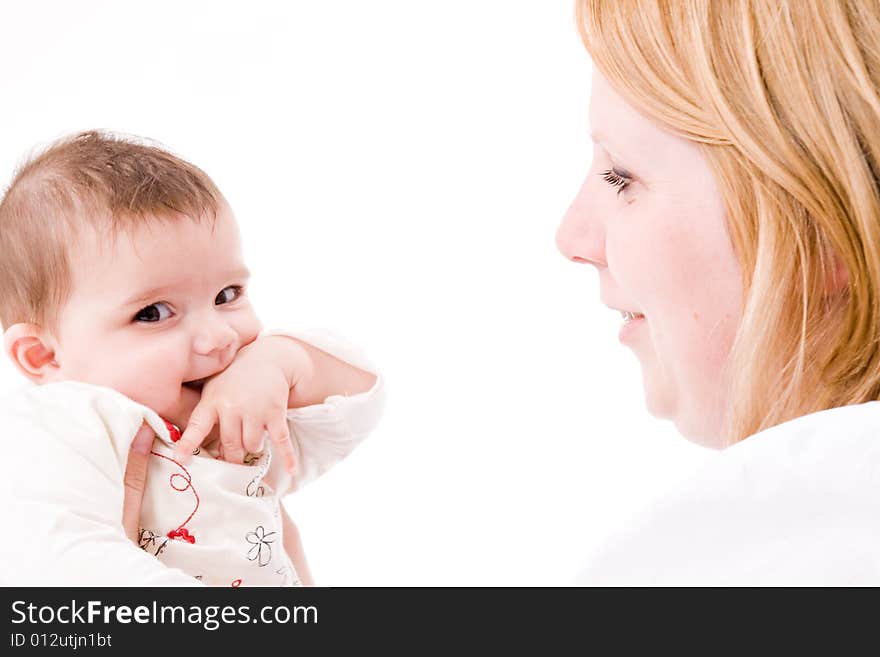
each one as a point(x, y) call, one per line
point(213, 338)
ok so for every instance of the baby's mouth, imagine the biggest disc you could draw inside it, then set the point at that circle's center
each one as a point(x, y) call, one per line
point(195, 385)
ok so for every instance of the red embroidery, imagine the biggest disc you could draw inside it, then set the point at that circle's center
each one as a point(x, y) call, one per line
point(236, 583)
point(181, 532)
point(174, 431)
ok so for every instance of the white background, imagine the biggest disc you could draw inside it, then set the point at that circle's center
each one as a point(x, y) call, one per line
point(398, 169)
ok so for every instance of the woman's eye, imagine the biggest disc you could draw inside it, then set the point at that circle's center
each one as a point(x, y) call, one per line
point(228, 294)
point(153, 313)
point(615, 180)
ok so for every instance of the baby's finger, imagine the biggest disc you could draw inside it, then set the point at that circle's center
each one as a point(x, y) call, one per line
point(279, 434)
point(230, 437)
point(202, 420)
point(252, 435)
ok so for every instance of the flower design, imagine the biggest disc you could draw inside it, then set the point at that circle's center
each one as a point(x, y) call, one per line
point(287, 576)
point(261, 552)
point(146, 539)
point(255, 488)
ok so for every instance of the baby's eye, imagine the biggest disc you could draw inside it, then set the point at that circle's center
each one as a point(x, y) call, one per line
point(616, 180)
point(152, 313)
point(228, 294)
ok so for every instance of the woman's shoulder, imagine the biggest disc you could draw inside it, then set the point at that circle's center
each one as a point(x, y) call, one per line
point(794, 504)
point(853, 420)
point(835, 442)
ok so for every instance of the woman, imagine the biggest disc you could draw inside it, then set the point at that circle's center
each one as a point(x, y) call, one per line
point(734, 203)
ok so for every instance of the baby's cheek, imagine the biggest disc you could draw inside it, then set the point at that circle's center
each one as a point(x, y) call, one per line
point(249, 326)
point(252, 332)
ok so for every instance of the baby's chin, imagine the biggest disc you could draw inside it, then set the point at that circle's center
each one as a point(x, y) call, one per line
point(175, 408)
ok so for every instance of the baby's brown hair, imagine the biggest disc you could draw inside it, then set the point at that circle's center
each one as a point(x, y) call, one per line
point(109, 182)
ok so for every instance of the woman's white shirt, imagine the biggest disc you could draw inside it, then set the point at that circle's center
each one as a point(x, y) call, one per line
point(795, 504)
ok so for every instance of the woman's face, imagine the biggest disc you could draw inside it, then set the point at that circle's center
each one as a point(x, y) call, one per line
point(655, 230)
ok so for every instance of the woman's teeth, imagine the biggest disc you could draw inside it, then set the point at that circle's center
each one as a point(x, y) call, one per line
point(629, 316)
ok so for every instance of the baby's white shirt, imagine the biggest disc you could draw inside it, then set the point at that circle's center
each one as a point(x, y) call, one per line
point(209, 521)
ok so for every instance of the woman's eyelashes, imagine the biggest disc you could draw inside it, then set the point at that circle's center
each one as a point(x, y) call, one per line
point(615, 179)
point(152, 313)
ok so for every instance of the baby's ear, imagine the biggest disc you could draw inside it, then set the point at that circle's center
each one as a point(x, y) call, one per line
point(25, 344)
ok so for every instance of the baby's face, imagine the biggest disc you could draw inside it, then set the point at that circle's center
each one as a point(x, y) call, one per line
point(155, 310)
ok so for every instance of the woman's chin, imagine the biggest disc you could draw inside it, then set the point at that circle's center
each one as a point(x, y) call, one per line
point(659, 399)
point(662, 405)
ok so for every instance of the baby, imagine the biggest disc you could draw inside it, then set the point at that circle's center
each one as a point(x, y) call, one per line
point(123, 293)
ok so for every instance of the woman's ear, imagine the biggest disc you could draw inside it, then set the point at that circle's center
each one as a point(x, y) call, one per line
point(30, 351)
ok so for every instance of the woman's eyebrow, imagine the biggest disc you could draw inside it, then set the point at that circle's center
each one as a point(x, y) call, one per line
point(599, 138)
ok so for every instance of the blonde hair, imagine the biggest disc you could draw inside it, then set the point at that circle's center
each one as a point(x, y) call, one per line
point(110, 182)
point(782, 98)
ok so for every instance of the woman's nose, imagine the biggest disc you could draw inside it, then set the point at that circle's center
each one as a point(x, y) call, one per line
point(581, 235)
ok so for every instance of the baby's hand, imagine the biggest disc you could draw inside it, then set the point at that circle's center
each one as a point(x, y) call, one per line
point(247, 399)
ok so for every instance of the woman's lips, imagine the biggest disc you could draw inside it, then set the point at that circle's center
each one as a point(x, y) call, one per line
point(630, 328)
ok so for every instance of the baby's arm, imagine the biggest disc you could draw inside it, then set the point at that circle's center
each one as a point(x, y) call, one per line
point(327, 416)
point(320, 375)
point(341, 415)
point(253, 394)
point(313, 394)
